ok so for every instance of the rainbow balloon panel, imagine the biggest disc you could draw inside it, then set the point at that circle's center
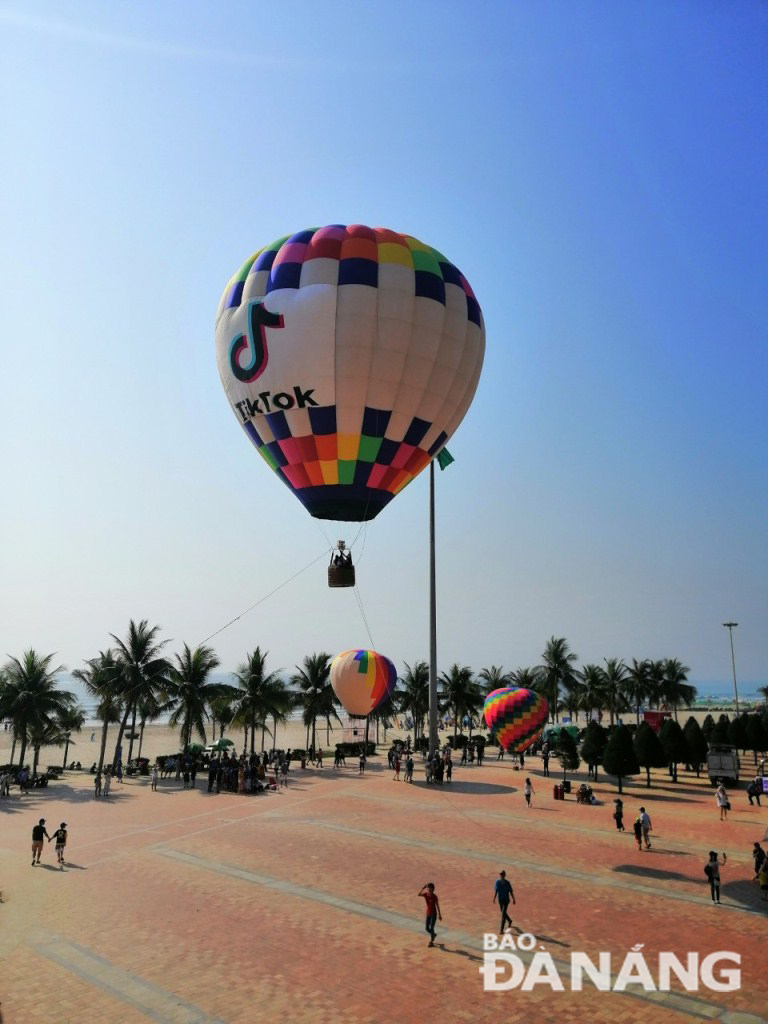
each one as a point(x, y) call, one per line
point(515, 717)
point(362, 680)
point(349, 356)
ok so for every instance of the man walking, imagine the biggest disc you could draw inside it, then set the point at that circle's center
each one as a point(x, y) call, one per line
point(38, 832)
point(433, 910)
point(504, 892)
point(645, 824)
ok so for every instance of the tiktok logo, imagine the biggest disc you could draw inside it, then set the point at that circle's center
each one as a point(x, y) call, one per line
point(254, 345)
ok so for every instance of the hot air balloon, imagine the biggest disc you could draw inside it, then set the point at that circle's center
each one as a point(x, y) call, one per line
point(515, 717)
point(349, 356)
point(362, 680)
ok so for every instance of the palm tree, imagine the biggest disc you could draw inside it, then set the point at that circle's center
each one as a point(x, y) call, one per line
point(528, 679)
point(594, 689)
point(574, 696)
point(558, 660)
point(256, 688)
point(675, 687)
point(102, 680)
point(460, 693)
point(316, 697)
point(72, 720)
point(655, 691)
point(615, 679)
point(222, 711)
point(637, 684)
point(54, 732)
point(142, 670)
point(189, 691)
point(29, 696)
point(280, 702)
point(413, 697)
point(493, 678)
point(150, 708)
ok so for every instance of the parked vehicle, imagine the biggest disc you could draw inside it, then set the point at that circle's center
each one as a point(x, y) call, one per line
point(723, 764)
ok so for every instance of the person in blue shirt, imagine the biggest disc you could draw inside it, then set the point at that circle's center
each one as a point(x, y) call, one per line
point(504, 892)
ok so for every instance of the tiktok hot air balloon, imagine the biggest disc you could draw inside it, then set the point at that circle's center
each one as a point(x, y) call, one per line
point(349, 356)
point(515, 717)
point(362, 680)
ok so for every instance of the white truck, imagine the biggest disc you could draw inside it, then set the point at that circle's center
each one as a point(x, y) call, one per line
point(722, 764)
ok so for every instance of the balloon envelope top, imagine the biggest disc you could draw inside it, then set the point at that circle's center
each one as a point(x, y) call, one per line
point(515, 717)
point(349, 356)
point(362, 680)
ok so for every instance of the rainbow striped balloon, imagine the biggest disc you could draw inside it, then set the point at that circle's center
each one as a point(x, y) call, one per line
point(362, 680)
point(515, 717)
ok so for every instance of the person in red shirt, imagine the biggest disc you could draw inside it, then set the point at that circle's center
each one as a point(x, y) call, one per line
point(433, 909)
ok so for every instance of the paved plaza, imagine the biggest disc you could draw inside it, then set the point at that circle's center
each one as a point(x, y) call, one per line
point(301, 906)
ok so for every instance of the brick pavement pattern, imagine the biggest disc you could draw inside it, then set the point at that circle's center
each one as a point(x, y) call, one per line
point(184, 907)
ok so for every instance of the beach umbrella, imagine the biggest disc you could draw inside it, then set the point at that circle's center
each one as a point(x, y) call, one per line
point(195, 748)
point(515, 717)
point(349, 356)
point(222, 744)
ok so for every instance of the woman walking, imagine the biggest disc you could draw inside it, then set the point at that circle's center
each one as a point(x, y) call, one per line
point(722, 801)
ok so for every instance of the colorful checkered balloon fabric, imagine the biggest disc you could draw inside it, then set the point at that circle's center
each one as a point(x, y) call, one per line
point(362, 680)
point(515, 717)
point(350, 355)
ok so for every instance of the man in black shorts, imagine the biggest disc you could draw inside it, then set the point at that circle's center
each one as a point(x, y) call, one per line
point(60, 835)
point(38, 831)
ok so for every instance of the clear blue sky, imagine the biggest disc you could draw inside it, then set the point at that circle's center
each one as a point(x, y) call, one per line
point(597, 170)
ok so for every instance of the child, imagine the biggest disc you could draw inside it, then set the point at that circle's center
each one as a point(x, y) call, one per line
point(60, 835)
point(528, 790)
point(433, 909)
point(618, 814)
point(637, 828)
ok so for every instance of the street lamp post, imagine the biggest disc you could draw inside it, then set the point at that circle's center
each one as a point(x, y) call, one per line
point(730, 626)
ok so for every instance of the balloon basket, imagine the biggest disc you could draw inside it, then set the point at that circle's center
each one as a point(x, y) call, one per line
point(341, 575)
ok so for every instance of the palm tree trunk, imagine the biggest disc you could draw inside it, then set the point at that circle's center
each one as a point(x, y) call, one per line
point(104, 730)
point(13, 747)
point(35, 759)
point(274, 733)
point(120, 731)
point(133, 729)
point(66, 751)
point(141, 736)
point(23, 751)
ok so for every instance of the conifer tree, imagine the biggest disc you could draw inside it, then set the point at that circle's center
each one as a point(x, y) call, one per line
point(648, 750)
point(619, 758)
